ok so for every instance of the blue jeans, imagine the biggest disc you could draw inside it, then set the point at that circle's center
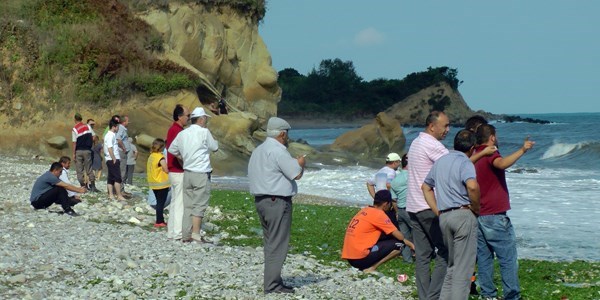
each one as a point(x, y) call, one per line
point(497, 236)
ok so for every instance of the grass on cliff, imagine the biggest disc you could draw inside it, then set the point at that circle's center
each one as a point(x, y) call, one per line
point(89, 51)
point(318, 231)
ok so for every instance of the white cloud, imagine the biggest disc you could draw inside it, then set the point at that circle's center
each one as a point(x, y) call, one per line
point(368, 37)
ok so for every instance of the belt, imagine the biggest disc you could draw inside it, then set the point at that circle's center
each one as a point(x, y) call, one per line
point(498, 214)
point(454, 208)
point(272, 197)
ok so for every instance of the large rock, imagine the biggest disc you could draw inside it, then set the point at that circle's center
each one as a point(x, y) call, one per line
point(413, 110)
point(236, 129)
point(374, 140)
point(144, 140)
point(225, 50)
point(58, 142)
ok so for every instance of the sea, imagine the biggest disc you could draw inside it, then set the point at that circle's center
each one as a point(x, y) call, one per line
point(554, 188)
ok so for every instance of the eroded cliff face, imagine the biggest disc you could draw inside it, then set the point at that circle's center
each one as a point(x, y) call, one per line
point(225, 49)
point(219, 44)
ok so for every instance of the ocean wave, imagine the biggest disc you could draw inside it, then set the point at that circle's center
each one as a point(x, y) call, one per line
point(558, 150)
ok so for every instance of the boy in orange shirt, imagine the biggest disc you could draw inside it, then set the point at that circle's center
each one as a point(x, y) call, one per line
point(361, 246)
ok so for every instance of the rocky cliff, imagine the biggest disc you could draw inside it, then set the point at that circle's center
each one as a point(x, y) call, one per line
point(384, 134)
point(216, 42)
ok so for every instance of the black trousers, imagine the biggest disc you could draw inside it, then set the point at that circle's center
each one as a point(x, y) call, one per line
point(56, 195)
point(161, 198)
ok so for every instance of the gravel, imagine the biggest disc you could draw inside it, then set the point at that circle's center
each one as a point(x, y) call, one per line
point(111, 251)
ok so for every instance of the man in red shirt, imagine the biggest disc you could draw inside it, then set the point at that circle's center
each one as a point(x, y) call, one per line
point(181, 116)
point(496, 234)
point(361, 246)
point(83, 139)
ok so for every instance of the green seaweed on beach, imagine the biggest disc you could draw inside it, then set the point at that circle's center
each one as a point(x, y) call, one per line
point(318, 232)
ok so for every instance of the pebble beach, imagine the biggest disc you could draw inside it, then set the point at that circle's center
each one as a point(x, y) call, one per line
point(111, 251)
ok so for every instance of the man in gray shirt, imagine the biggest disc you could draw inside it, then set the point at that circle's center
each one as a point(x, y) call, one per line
point(272, 173)
point(49, 189)
point(452, 192)
point(124, 147)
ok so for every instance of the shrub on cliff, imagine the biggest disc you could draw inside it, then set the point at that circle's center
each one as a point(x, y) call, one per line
point(88, 50)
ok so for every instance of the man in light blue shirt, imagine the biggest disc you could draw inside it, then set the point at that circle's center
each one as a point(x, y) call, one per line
point(272, 174)
point(398, 188)
point(452, 192)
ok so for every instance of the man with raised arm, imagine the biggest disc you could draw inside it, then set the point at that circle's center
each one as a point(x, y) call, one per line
point(496, 233)
point(427, 236)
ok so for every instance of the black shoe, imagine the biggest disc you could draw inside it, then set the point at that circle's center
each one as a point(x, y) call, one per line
point(71, 212)
point(92, 188)
point(74, 201)
point(473, 289)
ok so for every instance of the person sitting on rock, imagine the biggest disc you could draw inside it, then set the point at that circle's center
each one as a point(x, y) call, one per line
point(65, 161)
point(214, 108)
point(362, 247)
point(49, 189)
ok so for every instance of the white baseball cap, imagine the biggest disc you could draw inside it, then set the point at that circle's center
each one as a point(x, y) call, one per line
point(393, 157)
point(198, 112)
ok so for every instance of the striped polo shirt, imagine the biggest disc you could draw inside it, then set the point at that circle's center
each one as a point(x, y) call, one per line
point(423, 152)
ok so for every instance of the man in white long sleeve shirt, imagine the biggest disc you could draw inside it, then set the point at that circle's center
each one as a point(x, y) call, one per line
point(193, 146)
point(65, 161)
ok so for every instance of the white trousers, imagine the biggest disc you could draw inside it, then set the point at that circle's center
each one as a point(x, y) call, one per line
point(175, 223)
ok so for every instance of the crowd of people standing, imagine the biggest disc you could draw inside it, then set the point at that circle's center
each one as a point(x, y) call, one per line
point(429, 205)
point(457, 202)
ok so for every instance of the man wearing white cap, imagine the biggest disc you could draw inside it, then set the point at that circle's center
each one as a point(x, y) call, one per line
point(385, 175)
point(272, 173)
point(193, 146)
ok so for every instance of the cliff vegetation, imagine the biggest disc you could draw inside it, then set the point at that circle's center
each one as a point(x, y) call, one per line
point(334, 88)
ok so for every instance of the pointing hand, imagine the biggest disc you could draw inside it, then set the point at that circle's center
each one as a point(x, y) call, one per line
point(527, 145)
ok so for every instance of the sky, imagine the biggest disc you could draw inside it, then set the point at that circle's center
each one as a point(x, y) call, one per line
point(515, 57)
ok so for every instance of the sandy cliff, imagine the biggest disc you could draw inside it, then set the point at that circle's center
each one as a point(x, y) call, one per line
point(218, 43)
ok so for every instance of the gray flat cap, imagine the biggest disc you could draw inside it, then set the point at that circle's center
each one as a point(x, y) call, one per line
point(276, 123)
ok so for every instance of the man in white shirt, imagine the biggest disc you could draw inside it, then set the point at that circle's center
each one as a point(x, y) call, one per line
point(65, 161)
point(193, 146)
point(113, 160)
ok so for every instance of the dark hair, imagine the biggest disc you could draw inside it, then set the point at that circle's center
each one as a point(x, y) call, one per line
point(112, 123)
point(55, 166)
point(464, 141)
point(88, 121)
point(474, 122)
point(404, 160)
point(116, 118)
point(432, 117)
point(484, 132)
point(64, 159)
point(157, 145)
point(78, 117)
point(177, 112)
point(382, 197)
